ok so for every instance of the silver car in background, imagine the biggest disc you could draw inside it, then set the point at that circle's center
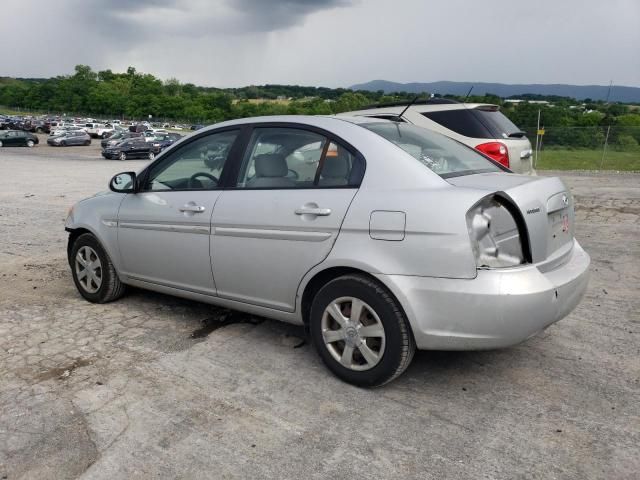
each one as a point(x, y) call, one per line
point(378, 236)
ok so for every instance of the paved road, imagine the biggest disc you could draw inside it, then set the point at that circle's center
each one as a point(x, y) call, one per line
point(125, 390)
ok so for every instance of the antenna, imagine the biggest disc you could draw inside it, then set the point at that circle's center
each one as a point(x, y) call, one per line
point(399, 117)
point(468, 93)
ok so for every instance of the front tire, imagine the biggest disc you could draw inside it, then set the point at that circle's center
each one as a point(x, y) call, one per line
point(122, 156)
point(0, 143)
point(360, 331)
point(152, 156)
point(93, 272)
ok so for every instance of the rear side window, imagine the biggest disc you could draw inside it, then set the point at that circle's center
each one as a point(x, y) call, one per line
point(476, 122)
point(462, 122)
point(496, 121)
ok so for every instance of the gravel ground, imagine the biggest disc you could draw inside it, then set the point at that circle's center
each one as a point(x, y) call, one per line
point(153, 386)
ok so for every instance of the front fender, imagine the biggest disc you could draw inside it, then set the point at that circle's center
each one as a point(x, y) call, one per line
point(99, 216)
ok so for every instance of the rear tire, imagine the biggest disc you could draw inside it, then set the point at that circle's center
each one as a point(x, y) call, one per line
point(87, 143)
point(0, 143)
point(30, 143)
point(63, 144)
point(367, 351)
point(93, 272)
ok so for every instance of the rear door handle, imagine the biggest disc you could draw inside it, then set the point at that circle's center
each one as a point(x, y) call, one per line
point(320, 212)
point(192, 208)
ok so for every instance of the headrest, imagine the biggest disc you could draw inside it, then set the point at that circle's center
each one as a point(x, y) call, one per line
point(335, 167)
point(271, 165)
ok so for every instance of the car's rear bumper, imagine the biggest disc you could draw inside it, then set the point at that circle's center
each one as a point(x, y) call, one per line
point(496, 309)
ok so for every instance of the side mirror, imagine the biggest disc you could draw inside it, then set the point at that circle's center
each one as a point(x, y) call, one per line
point(123, 183)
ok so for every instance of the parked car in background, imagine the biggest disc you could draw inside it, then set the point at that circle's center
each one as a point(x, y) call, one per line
point(70, 138)
point(481, 126)
point(17, 138)
point(61, 130)
point(150, 134)
point(395, 238)
point(117, 137)
point(131, 148)
point(165, 140)
point(138, 128)
point(98, 130)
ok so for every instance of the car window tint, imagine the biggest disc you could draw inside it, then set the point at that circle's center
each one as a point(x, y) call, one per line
point(496, 122)
point(281, 158)
point(196, 166)
point(337, 167)
point(463, 122)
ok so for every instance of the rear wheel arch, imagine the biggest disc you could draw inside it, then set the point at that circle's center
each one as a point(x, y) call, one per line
point(323, 277)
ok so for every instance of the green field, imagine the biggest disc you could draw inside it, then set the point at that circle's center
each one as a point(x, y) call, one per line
point(586, 159)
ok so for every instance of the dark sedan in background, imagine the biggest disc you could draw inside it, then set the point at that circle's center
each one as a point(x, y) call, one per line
point(131, 148)
point(17, 138)
point(165, 140)
point(117, 138)
point(69, 138)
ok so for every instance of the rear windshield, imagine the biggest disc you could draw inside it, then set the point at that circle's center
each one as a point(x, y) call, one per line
point(475, 122)
point(443, 155)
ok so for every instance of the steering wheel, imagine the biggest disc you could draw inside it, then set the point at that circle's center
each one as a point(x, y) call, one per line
point(192, 179)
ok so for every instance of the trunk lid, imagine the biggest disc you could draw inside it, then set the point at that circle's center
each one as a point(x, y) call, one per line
point(546, 206)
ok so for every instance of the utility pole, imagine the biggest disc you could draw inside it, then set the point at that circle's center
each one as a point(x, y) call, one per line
point(535, 159)
point(609, 91)
point(604, 150)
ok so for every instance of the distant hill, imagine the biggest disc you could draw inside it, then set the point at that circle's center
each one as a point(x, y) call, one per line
point(579, 92)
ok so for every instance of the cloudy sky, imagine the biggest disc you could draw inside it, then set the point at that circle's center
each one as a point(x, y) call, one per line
point(332, 43)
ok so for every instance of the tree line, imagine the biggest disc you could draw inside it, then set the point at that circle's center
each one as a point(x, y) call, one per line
point(136, 95)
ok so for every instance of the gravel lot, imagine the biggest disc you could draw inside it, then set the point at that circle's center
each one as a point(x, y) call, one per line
point(126, 390)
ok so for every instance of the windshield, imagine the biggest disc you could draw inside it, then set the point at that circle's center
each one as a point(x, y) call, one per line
point(444, 156)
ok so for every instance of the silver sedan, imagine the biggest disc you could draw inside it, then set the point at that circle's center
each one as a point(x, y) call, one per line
point(379, 237)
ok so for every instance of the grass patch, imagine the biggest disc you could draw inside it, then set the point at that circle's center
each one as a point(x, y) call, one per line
point(586, 159)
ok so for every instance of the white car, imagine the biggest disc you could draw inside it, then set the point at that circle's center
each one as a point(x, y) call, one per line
point(479, 125)
point(152, 133)
point(98, 130)
point(378, 236)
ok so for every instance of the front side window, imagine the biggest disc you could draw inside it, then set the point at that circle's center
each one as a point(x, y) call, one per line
point(443, 155)
point(294, 158)
point(197, 165)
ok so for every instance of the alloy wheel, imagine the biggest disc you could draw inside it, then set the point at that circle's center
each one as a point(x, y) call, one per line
point(88, 269)
point(353, 333)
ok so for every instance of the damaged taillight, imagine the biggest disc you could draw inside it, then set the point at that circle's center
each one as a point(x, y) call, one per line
point(495, 236)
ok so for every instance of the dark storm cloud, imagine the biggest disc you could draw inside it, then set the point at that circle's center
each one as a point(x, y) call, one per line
point(273, 15)
point(125, 21)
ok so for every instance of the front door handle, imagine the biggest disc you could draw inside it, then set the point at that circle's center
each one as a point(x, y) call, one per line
point(319, 212)
point(192, 208)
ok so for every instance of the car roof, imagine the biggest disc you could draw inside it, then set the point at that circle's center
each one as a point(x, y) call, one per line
point(320, 121)
point(421, 108)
